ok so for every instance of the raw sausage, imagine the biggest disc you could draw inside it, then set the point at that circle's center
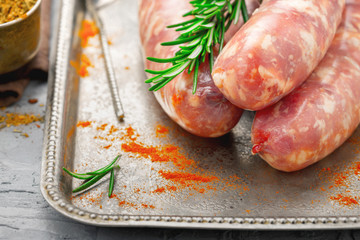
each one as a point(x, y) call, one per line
point(276, 50)
point(207, 113)
point(315, 119)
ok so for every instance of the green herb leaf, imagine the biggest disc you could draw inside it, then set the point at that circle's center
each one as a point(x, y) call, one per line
point(89, 183)
point(111, 183)
point(77, 175)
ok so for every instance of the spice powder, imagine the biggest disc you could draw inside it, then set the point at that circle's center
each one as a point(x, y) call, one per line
point(185, 175)
point(13, 9)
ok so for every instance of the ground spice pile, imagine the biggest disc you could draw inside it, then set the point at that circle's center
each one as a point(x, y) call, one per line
point(14, 9)
point(15, 119)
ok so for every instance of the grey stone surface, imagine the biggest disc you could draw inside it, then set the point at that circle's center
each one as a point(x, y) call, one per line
point(24, 214)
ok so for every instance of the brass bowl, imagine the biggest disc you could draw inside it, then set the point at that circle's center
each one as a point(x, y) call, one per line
point(19, 40)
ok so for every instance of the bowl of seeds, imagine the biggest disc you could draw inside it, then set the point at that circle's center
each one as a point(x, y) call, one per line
point(19, 33)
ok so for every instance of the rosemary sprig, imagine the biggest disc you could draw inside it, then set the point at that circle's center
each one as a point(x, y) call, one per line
point(199, 35)
point(93, 177)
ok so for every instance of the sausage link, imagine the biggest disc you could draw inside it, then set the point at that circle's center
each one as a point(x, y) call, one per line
point(207, 113)
point(315, 119)
point(276, 50)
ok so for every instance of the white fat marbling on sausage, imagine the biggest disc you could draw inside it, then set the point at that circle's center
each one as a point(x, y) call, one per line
point(320, 124)
point(337, 139)
point(346, 121)
point(277, 110)
point(232, 50)
point(300, 6)
point(155, 26)
point(219, 78)
point(194, 101)
point(267, 42)
point(304, 129)
point(181, 85)
point(323, 72)
point(310, 43)
point(328, 105)
point(352, 61)
point(302, 156)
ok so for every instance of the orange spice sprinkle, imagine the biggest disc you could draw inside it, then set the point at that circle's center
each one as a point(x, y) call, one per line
point(340, 180)
point(130, 204)
point(171, 188)
point(112, 130)
point(25, 135)
point(130, 134)
point(90, 197)
point(108, 146)
point(88, 30)
point(147, 206)
point(32, 100)
point(82, 67)
point(159, 190)
point(161, 130)
point(157, 154)
point(356, 168)
point(345, 200)
point(84, 124)
point(102, 127)
point(182, 177)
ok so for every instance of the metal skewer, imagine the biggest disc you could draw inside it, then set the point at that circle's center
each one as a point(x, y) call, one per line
point(119, 111)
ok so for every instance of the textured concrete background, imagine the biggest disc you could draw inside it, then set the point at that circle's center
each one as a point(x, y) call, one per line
point(24, 214)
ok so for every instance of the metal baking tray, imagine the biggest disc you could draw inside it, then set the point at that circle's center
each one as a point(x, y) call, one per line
point(245, 192)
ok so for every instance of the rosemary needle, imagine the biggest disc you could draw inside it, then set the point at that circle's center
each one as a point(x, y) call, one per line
point(89, 183)
point(211, 19)
point(111, 183)
point(101, 170)
point(77, 175)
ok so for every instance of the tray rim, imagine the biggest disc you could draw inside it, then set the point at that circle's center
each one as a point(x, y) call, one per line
point(49, 184)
